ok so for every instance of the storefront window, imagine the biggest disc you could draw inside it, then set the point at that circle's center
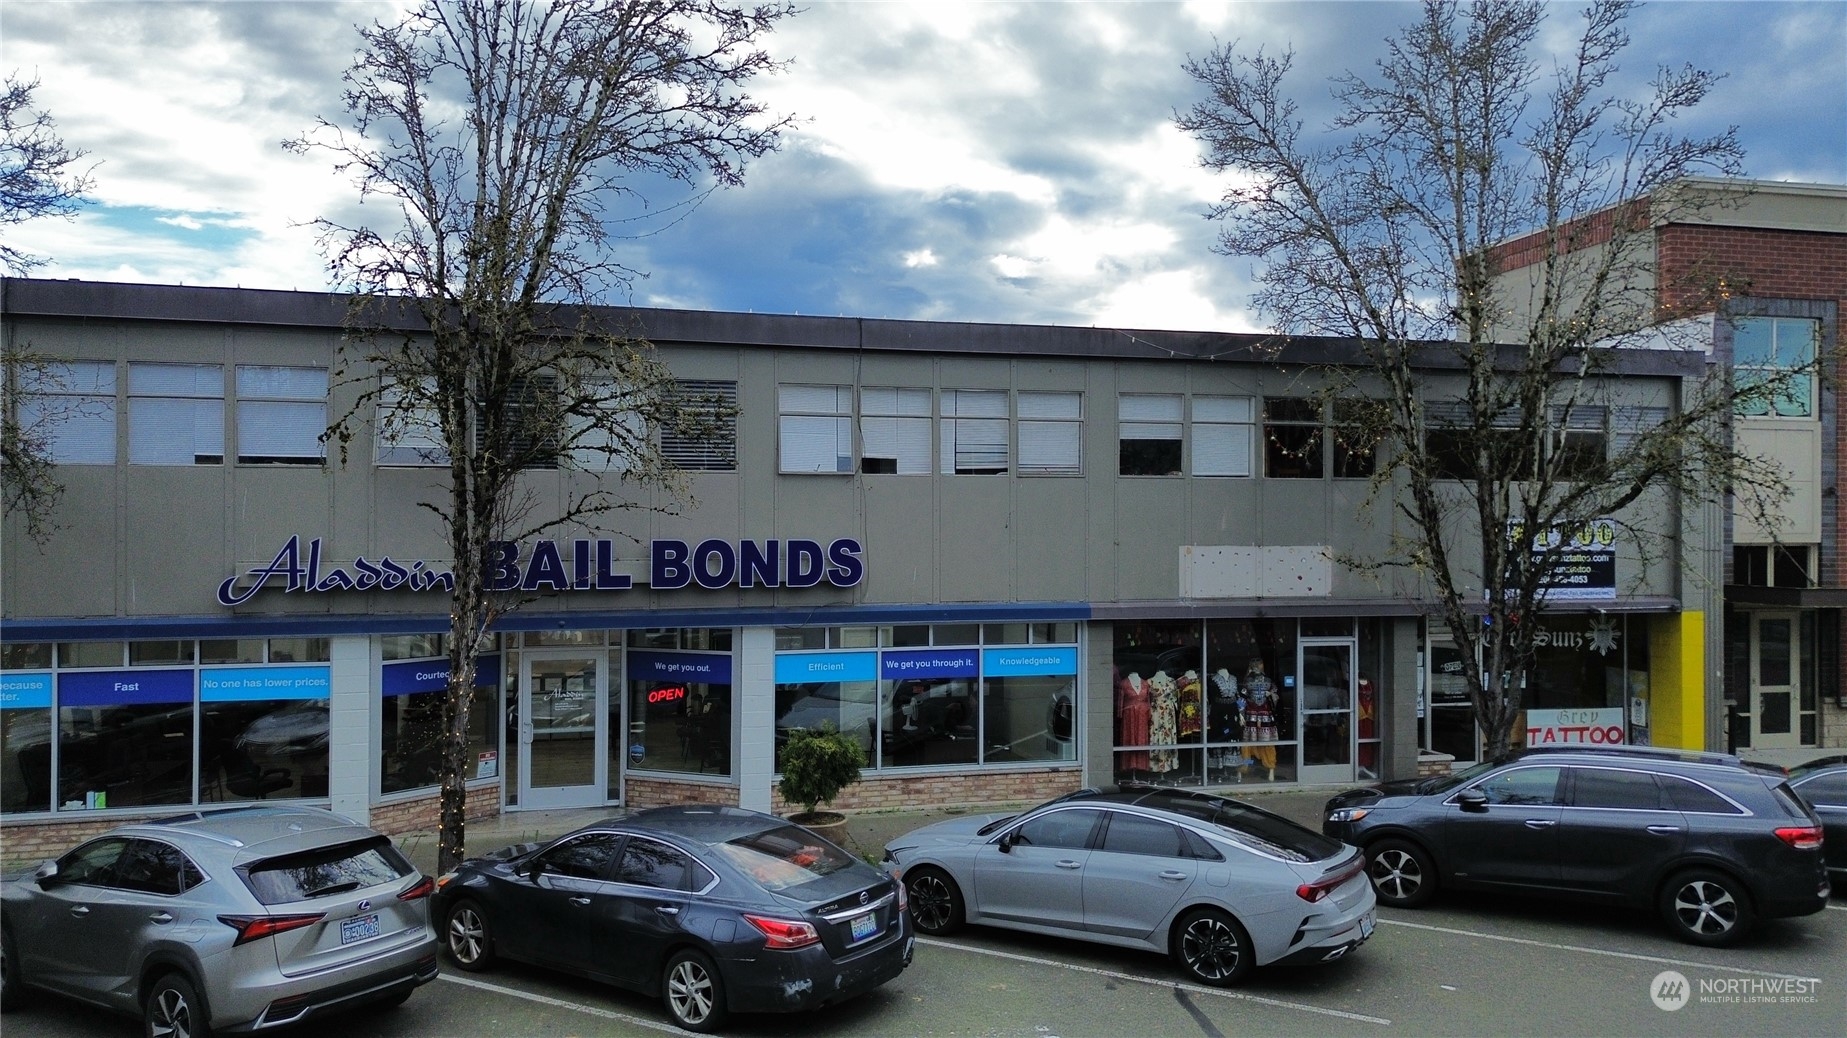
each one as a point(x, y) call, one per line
point(680, 708)
point(1587, 674)
point(835, 689)
point(25, 735)
point(124, 740)
point(263, 732)
point(410, 720)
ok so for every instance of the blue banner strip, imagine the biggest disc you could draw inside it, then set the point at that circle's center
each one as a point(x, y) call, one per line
point(1001, 663)
point(928, 663)
point(807, 668)
point(259, 684)
point(697, 668)
point(124, 687)
point(402, 679)
point(20, 691)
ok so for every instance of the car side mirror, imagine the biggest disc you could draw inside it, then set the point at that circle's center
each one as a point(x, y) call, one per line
point(533, 869)
point(46, 874)
point(1472, 799)
point(1006, 841)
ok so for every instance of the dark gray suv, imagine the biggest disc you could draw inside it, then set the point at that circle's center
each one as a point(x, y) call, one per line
point(1709, 841)
point(233, 920)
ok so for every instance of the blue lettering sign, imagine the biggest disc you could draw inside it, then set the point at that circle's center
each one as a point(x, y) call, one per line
point(704, 668)
point(124, 687)
point(402, 679)
point(927, 663)
point(252, 684)
point(21, 691)
point(1024, 662)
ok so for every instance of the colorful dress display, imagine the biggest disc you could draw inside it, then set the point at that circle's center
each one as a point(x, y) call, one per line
point(1163, 711)
point(1192, 719)
point(1132, 718)
point(1260, 715)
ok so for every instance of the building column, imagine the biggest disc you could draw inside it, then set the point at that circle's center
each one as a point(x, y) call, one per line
point(352, 715)
point(754, 687)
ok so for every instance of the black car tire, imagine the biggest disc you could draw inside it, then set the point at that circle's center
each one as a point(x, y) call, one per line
point(174, 1010)
point(468, 938)
point(1402, 874)
point(13, 994)
point(1212, 947)
point(1706, 907)
point(694, 994)
point(936, 904)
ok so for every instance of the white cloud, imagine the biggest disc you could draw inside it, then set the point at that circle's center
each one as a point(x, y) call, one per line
point(920, 258)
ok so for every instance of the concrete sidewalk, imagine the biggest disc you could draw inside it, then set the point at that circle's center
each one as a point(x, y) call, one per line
point(865, 833)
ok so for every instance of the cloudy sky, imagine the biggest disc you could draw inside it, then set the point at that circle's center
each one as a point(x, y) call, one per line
point(982, 162)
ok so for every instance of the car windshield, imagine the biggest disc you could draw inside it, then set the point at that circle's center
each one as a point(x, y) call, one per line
point(1256, 828)
point(784, 857)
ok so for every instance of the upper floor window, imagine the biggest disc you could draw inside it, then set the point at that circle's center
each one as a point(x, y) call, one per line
point(408, 432)
point(1292, 438)
point(175, 414)
point(281, 415)
point(69, 408)
point(1149, 434)
point(1772, 565)
point(707, 439)
point(1223, 427)
point(814, 425)
point(1051, 433)
point(894, 431)
point(1777, 353)
point(974, 431)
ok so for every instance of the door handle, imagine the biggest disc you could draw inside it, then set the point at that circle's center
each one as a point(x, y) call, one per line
point(667, 909)
point(80, 910)
point(1541, 823)
point(160, 917)
point(580, 900)
point(1663, 830)
point(1173, 874)
point(1069, 864)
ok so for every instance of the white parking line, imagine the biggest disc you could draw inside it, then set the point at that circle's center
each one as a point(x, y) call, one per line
point(559, 1003)
point(1196, 989)
point(1662, 959)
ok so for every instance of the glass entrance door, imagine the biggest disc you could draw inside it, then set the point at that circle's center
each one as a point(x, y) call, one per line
point(1325, 690)
point(1773, 681)
point(563, 701)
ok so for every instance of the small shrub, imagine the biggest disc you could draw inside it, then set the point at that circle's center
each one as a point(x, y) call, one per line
point(817, 763)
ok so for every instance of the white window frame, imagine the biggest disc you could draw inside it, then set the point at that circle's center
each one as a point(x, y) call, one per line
point(70, 407)
point(1051, 432)
point(1151, 417)
point(814, 429)
point(895, 426)
point(175, 413)
point(407, 432)
point(974, 434)
point(281, 414)
point(1793, 342)
point(1224, 436)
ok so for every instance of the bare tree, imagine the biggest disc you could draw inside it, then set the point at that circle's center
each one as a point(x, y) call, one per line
point(508, 135)
point(37, 179)
point(1392, 230)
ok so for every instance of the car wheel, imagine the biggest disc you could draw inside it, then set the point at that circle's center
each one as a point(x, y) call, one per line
point(174, 1010)
point(936, 904)
point(1402, 873)
point(1706, 907)
point(1212, 948)
point(694, 994)
point(467, 937)
point(13, 994)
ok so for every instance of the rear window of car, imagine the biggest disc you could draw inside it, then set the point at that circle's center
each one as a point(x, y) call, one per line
point(784, 857)
point(326, 871)
point(1258, 829)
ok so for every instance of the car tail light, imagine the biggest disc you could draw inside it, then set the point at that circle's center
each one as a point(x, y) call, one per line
point(904, 895)
point(784, 933)
point(424, 888)
point(1319, 889)
point(256, 927)
point(1801, 837)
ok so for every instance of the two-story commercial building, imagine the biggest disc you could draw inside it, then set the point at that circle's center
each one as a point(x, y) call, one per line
point(1009, 560)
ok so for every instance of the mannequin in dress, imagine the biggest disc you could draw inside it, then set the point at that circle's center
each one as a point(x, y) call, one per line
point(1260, 716)
point(1227, 722)
point(1163, 731)
point(1132, 724)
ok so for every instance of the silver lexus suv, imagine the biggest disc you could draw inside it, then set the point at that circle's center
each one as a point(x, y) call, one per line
point(231, 921)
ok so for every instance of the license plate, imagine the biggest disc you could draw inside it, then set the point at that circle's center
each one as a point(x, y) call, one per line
point(1366, 924)
point(359, 928)
point(864, 926)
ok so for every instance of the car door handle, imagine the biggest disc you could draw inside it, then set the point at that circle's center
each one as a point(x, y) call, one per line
point(1173, 874)
point(1541, 823)
point(1663, 830)
point(667, 909)
point(80, 910)
point(160, 917)
point(580, 900)
point(1069, 864)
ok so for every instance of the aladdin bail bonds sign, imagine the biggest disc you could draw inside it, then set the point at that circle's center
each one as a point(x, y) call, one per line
point(1584, 568)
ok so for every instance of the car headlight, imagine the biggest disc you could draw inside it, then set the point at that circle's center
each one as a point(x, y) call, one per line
point(1348, 814)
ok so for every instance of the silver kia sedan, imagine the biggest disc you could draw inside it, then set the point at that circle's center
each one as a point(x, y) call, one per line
point(232, 920)
point(1218, 884)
